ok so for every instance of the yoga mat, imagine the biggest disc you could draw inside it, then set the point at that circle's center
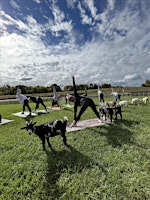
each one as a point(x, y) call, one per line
point(41, 111)
point(86, 123)
point(55, 108)
point(26, 114)
point(5, 121)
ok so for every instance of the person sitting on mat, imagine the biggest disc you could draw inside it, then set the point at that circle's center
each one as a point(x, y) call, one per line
point(84, 102)
point(23, 100)
point(37, 100)
point(55, 98)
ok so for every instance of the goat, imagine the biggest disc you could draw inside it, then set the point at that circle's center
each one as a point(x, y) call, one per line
point(51, 129)
point(110, 103)
point(105, 111)
point(123, 103)
point(136, 101)
point(145, 100)
point(117, 110)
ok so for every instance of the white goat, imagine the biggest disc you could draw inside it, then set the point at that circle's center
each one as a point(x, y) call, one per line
point(110, 103)
point(145, 100)
point(123, 103)
point(136, 101)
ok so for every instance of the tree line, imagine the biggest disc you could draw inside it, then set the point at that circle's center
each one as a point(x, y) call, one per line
point(11, 90)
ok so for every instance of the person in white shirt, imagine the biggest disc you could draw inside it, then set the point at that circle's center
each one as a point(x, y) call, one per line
point(116, 95)
point(23, 100)
point(55, 98)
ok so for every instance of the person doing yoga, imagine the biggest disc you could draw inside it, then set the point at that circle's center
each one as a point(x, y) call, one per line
point(23, 100)
point(56, 98)
point(83, 101)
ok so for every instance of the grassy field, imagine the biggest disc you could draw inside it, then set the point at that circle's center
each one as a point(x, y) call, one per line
point(110, 162)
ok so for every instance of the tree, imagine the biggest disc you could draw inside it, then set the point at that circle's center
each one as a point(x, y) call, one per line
point(106, 85)
point(146, 84)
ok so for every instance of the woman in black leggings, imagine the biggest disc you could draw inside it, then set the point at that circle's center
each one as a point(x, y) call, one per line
point(82, 101)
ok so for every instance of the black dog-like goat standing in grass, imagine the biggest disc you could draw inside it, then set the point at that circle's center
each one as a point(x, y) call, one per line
point(110, 111)
point(51, 129)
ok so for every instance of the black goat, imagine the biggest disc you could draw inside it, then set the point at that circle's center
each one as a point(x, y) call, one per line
point(51, 129)
point(117, 110)
point(106, 111)
point(111, 111)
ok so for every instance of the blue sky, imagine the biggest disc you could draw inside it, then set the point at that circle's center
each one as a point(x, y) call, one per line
point(99, 41)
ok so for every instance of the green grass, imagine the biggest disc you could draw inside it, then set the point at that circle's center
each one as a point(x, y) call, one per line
point(110, 162)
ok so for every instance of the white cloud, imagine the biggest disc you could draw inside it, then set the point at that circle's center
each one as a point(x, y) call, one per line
point(119, 55)
point(64, 26)
point(147, 71)
point(58, 14)
point(84, 17)
point(132, 77)
point(91, 7)
point(14, 4)
point(111, 4)
point(71, 3)
point(37, 1)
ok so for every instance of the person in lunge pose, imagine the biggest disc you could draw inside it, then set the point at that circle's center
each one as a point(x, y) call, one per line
point(37, 100)
point(23, 100)
point(84, 102)
point(55, 98)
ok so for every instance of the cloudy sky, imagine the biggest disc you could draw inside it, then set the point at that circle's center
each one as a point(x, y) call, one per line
point(43, 42)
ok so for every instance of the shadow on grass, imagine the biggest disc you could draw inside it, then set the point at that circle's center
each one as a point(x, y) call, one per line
point(68, 109)
point(68, 160)
point(118, 133)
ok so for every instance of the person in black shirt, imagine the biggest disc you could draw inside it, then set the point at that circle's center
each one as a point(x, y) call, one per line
point(100, 95)
point(84, 102)
point(37, 100)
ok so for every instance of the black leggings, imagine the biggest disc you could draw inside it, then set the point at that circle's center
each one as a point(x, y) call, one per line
point(40, 101)
point(83, 108)
point(26, 104)
point(55, 102)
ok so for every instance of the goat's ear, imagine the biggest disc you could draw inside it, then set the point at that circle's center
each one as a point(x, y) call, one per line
point(23, 127)
point(65, 118)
